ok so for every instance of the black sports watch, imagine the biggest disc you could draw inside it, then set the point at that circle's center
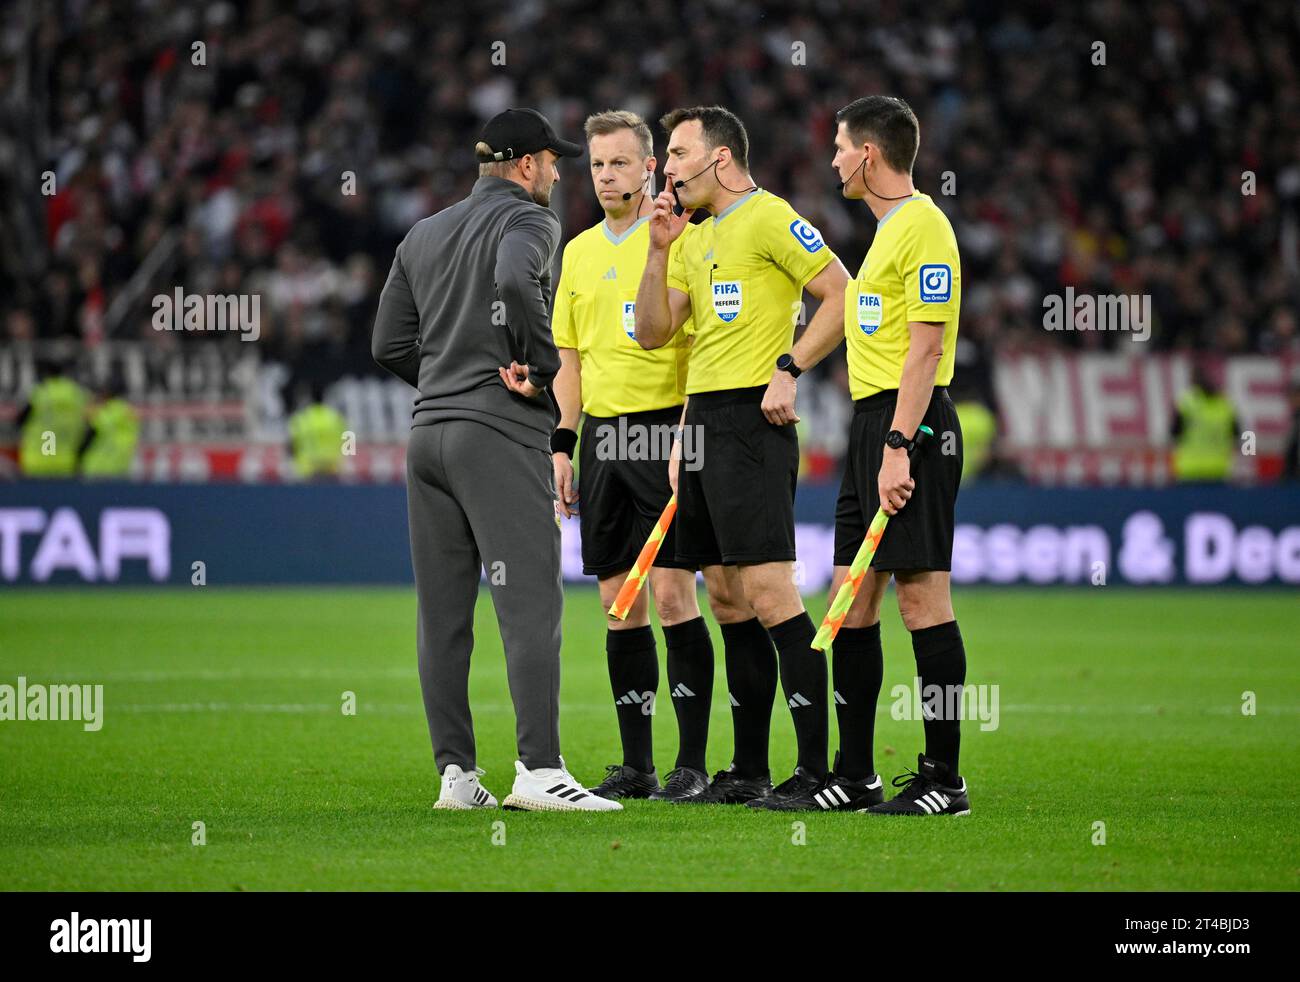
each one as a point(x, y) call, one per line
point(895, 440)
point(786, 364)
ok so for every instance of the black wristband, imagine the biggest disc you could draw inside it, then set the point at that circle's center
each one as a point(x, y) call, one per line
point(563, 441)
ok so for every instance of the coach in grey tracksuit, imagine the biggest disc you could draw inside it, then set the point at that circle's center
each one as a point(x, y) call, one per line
point(464, 318)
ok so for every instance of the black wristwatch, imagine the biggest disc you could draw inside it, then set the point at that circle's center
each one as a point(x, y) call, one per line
point(895, 440)
point(786, 364)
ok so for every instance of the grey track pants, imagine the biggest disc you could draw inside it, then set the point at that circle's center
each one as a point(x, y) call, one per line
point(476, 500)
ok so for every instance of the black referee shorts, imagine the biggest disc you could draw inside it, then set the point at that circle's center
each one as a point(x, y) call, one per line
point(620, 498)
point(920, 536)
point(738, 507)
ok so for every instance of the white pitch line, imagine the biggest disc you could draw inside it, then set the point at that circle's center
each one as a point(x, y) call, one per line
point(228, 675)
point(402, 708)
point(223, 707)
point(1137, 710)
point(294, 708)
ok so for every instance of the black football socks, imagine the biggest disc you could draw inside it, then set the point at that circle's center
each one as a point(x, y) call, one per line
point(751, 687)
point(941, 661)
point(690, 682)
point(803, 679)
point(634, 677)
point(857, 668)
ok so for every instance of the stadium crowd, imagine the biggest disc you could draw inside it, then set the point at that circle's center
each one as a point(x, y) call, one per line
point(289, 152)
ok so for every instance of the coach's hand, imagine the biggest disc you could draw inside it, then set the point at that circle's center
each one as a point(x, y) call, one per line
point(778, 400)
point(895, 482)
point(564, 483)
point(665, 227)
point(516, 380)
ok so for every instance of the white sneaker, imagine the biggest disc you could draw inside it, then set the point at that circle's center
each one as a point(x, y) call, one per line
point(553, 789)
point(461, 790)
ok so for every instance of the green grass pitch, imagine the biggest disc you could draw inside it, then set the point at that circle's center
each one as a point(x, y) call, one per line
point(224, 707)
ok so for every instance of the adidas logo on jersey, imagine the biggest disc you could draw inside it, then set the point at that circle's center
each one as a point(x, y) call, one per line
point(840, 699)
point(798, 701)
point(612, 274)
point(681, 692)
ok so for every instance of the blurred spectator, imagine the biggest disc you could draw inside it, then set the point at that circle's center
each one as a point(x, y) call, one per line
point(53, 426)
point(112, 436)
point(981, 455)
point(1204, 431)
point(316, 436)
point(979, 431)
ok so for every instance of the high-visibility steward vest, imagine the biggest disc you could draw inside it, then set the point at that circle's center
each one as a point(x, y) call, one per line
point(52, 434)
point(979, 428)
point(112, 448)
point(317, 434)
point(1204, 448)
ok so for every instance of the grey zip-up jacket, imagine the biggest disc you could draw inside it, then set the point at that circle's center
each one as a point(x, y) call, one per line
point(469, 292)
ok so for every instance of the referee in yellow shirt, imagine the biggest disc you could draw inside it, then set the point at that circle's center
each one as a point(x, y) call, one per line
point(632, 401)
point(741, 276)
point(900, 322)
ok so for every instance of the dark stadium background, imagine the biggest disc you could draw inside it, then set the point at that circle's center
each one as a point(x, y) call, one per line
point(228, 177)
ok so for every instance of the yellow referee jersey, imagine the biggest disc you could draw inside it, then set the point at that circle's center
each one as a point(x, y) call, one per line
point(912, 272)
point(595, 314)
point(745, 270)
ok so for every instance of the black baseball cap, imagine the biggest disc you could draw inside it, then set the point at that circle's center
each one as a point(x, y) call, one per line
point(516, 132)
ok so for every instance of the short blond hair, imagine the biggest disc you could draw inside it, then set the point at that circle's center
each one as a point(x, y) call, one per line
point(487, 167)
point(613, 120)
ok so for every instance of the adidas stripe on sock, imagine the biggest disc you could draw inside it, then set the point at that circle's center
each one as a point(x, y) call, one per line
point(803, 679)
point(634, 678)
point(690, 679)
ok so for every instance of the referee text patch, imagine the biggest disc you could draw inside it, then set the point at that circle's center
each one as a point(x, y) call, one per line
point(727, 299)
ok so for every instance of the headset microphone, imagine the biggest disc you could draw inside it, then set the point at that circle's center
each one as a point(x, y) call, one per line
point(863, 169)
point(679, 207)
point(682, 184)
point(648, 182)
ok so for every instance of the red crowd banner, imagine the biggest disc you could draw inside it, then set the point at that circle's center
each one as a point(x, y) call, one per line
point(1105, 418)
point(1063, 418)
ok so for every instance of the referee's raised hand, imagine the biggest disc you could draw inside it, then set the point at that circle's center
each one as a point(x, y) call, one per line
point(665, 227)
point(516, 380)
